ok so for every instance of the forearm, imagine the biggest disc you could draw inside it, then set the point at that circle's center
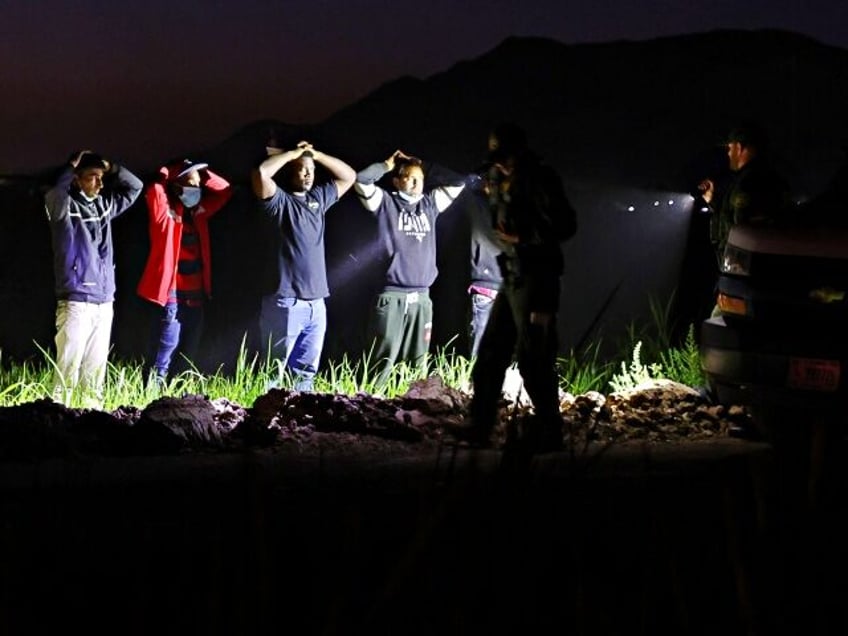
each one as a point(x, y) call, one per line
point(128, 182)
point(444, 176)
point(126, 191)
point(216, 192)
point(215, 182)
point(445, 195)
point(262, 178)
point(158, 208)
point(343, 175)
point(56, 199)
point(372, 173)
point(274, 163)
point(369, 195)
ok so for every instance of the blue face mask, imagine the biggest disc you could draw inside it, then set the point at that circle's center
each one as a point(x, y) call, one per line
point(190, 196)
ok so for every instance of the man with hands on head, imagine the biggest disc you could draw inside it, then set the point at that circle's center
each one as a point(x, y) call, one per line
point(177, 277)
point(89, 193)
point(402, 314)
point(293, 315)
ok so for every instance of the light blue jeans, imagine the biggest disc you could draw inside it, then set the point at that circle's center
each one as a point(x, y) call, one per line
point(292, 331)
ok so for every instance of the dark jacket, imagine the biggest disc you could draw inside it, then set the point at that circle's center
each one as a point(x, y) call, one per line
point(756, 195)
point(534, 207)
point(485, 271)
point(81, 230)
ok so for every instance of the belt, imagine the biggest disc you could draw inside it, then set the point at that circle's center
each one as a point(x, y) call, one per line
point(483, 291)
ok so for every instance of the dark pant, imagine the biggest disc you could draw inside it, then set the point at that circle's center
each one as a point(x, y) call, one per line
point(176, 337)
point(401, 323)
point(511, 333)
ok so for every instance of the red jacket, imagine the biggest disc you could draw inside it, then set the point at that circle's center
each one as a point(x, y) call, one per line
point(165, 228)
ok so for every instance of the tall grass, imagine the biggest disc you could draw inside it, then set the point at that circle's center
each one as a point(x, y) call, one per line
point(126, 383)
point(649, 347)
point(584, 371)
point(649, 351)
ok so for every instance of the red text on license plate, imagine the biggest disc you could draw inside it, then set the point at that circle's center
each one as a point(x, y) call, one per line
point(813, 375)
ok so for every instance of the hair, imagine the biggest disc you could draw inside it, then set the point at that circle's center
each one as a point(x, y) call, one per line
point(90, 160)
point(409, 162)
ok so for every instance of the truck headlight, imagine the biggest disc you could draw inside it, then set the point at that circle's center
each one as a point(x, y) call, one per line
point(736, 261)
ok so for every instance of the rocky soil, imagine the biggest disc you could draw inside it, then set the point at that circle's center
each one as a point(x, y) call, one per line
point(359, 425)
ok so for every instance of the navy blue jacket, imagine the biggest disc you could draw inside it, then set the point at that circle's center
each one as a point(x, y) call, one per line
point(81, 230)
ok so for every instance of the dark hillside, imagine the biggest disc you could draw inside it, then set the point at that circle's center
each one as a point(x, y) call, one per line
point(631, 126)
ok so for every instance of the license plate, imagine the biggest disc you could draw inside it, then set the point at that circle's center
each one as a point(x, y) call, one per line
point(810, 374)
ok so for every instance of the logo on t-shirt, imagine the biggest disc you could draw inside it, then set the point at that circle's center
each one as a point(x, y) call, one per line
point(413, 225)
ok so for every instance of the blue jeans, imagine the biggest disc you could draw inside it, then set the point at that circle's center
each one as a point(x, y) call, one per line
point(292, 332)
point(176, 332)
point(481, 305)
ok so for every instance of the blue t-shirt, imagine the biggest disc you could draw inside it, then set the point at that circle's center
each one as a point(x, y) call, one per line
point(298, 222)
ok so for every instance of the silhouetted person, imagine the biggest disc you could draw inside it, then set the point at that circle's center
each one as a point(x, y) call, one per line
point(293, 316)
point(402, 315)
point(755, 195)
point(532, 218)
point(178, 275)
point(89, 193)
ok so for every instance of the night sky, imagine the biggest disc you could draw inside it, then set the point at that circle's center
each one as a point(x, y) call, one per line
point(144, 81)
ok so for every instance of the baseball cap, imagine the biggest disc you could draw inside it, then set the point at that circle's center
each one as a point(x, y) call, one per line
point(188, 166)
point(748, 134)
